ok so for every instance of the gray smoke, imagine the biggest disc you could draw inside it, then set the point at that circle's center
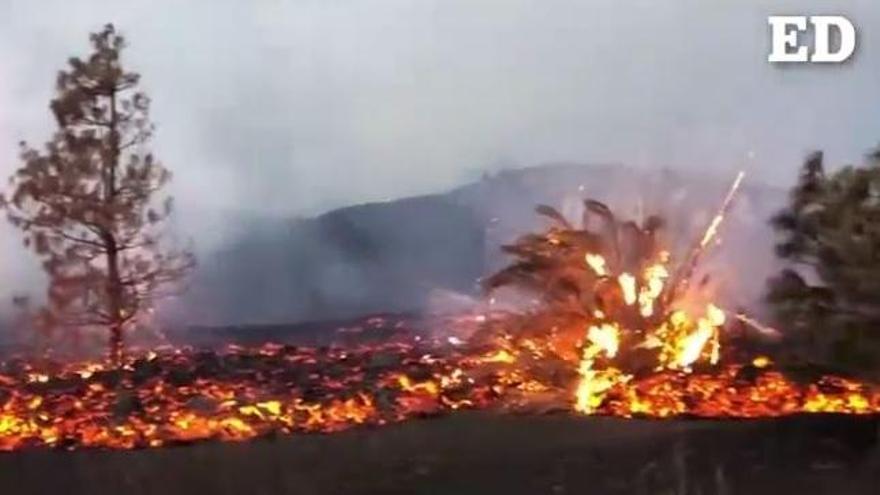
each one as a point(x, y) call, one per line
point(271, 110)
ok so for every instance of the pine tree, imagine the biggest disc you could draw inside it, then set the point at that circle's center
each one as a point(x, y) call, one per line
point(829, 298)
point(89, 204)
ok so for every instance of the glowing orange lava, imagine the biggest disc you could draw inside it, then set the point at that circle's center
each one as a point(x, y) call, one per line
point(640, 347)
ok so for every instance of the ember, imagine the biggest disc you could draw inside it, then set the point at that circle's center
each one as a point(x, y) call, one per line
point(179, 396)
point(184, 395)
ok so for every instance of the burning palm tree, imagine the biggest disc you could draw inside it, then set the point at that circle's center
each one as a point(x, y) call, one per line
point(607, 286)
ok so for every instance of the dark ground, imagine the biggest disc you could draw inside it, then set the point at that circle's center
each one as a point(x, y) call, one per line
point(482, 453)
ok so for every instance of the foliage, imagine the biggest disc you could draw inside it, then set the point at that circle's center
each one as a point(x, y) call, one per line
point(89, 202)
point(829, 298)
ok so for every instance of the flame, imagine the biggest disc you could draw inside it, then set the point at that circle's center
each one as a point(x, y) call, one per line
point(655, 280)
point(499, 356)
point(692, 345)
point(628, 286)
point(597, 263)
point(682, 339)
point(601, 339)
point(761, 362)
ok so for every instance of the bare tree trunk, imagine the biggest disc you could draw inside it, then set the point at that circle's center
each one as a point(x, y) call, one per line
point(114, 301)
point(116, 343)
point(114, 283)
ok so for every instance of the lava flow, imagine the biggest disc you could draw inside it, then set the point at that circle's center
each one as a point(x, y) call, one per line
point(619, 331)
point(182, 395)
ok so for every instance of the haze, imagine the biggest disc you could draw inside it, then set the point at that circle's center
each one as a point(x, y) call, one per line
point(292, 108)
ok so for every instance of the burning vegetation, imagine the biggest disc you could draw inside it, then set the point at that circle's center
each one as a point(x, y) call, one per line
point(619, 329)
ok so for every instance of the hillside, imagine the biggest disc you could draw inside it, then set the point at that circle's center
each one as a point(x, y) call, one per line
point(408, 254)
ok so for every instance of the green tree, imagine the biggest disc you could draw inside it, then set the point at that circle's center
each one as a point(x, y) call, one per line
point(828, 299)
point(90, 203)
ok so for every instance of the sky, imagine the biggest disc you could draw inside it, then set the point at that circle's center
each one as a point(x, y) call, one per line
point(292, 108)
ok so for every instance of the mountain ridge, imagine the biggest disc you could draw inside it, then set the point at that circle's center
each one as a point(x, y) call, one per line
point(394, 255)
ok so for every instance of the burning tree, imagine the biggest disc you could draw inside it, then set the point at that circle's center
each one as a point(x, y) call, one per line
point(608, 284)
point(89, 203)
point(565, 265)
point(829, 232)
point(583, 273)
